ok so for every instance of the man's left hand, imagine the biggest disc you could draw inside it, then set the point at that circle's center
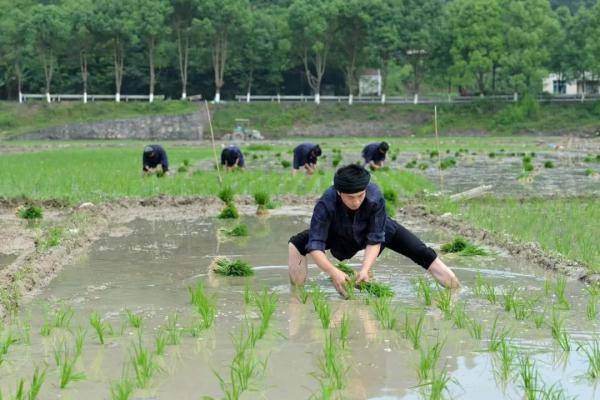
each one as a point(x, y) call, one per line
point(362, 276)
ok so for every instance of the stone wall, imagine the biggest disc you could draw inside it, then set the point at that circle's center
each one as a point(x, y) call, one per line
point(164, 127)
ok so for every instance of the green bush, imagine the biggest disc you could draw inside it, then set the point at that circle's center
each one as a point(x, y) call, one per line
point(448, 162)
point(30, 212)
point(548, 164)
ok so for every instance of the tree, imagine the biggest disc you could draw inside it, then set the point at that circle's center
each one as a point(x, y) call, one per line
point(313, 29)
point(385, 40)
point(477, 41)
point(592, 43)
point(222, 23)
point(528, 26)
point(151, 18)
point(181, 19)
point(353, 20)
point(48, 37)
point(15, 42)
point(81, 36)
point(114, 23)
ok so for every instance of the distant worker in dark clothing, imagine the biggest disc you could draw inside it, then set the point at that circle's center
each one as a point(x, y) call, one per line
point(155, 159)
point(349, 217)
point(232, 157)
point(374, 154)
point(305, 155)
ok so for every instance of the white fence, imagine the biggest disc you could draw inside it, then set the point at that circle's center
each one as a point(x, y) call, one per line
point(89, 97)
point(417, 99)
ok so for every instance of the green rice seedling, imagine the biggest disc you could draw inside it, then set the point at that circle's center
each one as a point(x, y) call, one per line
point(424, 290)
point(506, 356)
point(226, 195)
point(262, 199)
point(489, 292)
point(414, 332)
point(122, 389)
point(238, 231)
point(478, 287)
point(538, 319)
point(448, 162)
point(439, 384)
point(102, 328)
point(324, 312)
point(560, 293)
point(345, 268)
point(423, 166)
point(548, 164)
point(144, 364)
point(455, 246)
point(37, 380)
point(591, 309)
point(433, 153)
point(558, 331)
point(205, 306)
point(24, 329)
point(497, 335)
point(522, 309)
point(229, 212)
point(79, 340)
point(134, 320)
point(443, 300)
point(227, 267)
point(332, 365)
point(62, 317)
point(529, 377)
point(302, 294)
point(509, 298)
point(375, 289)
point(172, 330)
point(160, 342)
point(46, 328)
point(317, 295)
point(30, 212)
point(548, 287)
point(65, 361)
point(387, 316)
point(344, 330)
point(474, 328)
point(592, 352)
point(554, 392)
point(285, 163)
point(266, 303)
point(6, 340)
point(428, 359)
point(459, 315)
point(248, 295)
point(411, 164)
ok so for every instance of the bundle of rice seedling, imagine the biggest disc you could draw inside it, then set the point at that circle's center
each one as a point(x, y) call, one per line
point(227, 267)
point(463, 247)
point(238, 230)
point(372, 288)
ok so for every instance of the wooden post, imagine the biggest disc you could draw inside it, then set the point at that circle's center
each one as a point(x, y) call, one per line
point(212, 139)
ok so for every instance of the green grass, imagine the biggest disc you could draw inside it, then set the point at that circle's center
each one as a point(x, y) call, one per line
point(102, 328)
point(144, 364)
point(424, 290)
point(65, 360)
point(592, 352)
point(559, 333)
point(428, 359)
point(571, 231)
point(108, 173)
point(530, 379)
point(205, 305)
point(30, 212)
point(122, 389)
point(266, 303)
point(172, 330)
point(385, 313)
point(414, 331)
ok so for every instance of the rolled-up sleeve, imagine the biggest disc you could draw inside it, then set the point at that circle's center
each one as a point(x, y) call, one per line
point(319, 228)
point(376, 228)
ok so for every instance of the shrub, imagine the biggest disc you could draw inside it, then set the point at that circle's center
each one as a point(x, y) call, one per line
point(30, 212)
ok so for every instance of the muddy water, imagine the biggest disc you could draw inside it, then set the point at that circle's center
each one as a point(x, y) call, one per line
point(6, 259)
point(149, 269)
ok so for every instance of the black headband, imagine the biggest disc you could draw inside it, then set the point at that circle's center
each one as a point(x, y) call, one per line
point(351, 179)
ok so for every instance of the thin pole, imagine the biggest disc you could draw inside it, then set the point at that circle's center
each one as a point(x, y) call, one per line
point(212, 139)
point(437, 141)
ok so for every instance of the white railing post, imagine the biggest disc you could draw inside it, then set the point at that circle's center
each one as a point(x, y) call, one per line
point(383, 98)
point(84, 97)
point(416, 98)
point(183, 95)
point(151, 98)
point(317, 98)
point(350, 99)
point(118, 97)
point(20, 97)
point(48, 97)
point(278, 98)
point(515, 97)
point(248, 97)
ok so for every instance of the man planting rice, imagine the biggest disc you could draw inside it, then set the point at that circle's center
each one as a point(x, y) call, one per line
point(374, 154)
point(232, 157)
point(305, 155)
point(155, 159)
point(350, 216)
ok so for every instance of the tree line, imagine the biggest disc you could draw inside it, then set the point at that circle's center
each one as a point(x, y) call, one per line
point(222, 47)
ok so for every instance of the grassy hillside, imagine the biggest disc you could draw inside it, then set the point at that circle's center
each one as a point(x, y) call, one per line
point(278, 120)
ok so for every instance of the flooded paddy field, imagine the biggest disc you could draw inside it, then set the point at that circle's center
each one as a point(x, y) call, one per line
point(512, 331)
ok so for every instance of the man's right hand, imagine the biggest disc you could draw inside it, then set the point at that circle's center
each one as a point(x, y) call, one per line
point(339, 281)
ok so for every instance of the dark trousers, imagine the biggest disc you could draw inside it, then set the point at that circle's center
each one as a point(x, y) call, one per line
point(398, 239)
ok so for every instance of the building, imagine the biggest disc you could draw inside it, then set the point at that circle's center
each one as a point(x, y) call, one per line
point(590, 84)
point(369, 82)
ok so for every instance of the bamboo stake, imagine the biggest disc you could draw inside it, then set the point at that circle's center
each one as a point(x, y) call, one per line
point(437, 140)
point(212, 139)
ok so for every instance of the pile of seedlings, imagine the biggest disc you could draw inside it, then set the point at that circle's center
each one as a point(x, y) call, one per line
point(372, 288)
point(463, 247)
point(237, 231)
point(262, 199)
point(229, 211)
point(391, 201)
point(30, 212)
point(225, 266)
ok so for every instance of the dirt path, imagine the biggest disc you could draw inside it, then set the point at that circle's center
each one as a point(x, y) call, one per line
point(36, 265)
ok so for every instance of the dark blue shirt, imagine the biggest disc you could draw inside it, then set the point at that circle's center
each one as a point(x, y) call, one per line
point(333, 226)
point(303, 154)
point(158, 156)
point(230, 155)
point(371, 153)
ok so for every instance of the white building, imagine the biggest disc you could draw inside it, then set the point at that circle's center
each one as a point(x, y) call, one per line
point(369, 83)
point(588, 85)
